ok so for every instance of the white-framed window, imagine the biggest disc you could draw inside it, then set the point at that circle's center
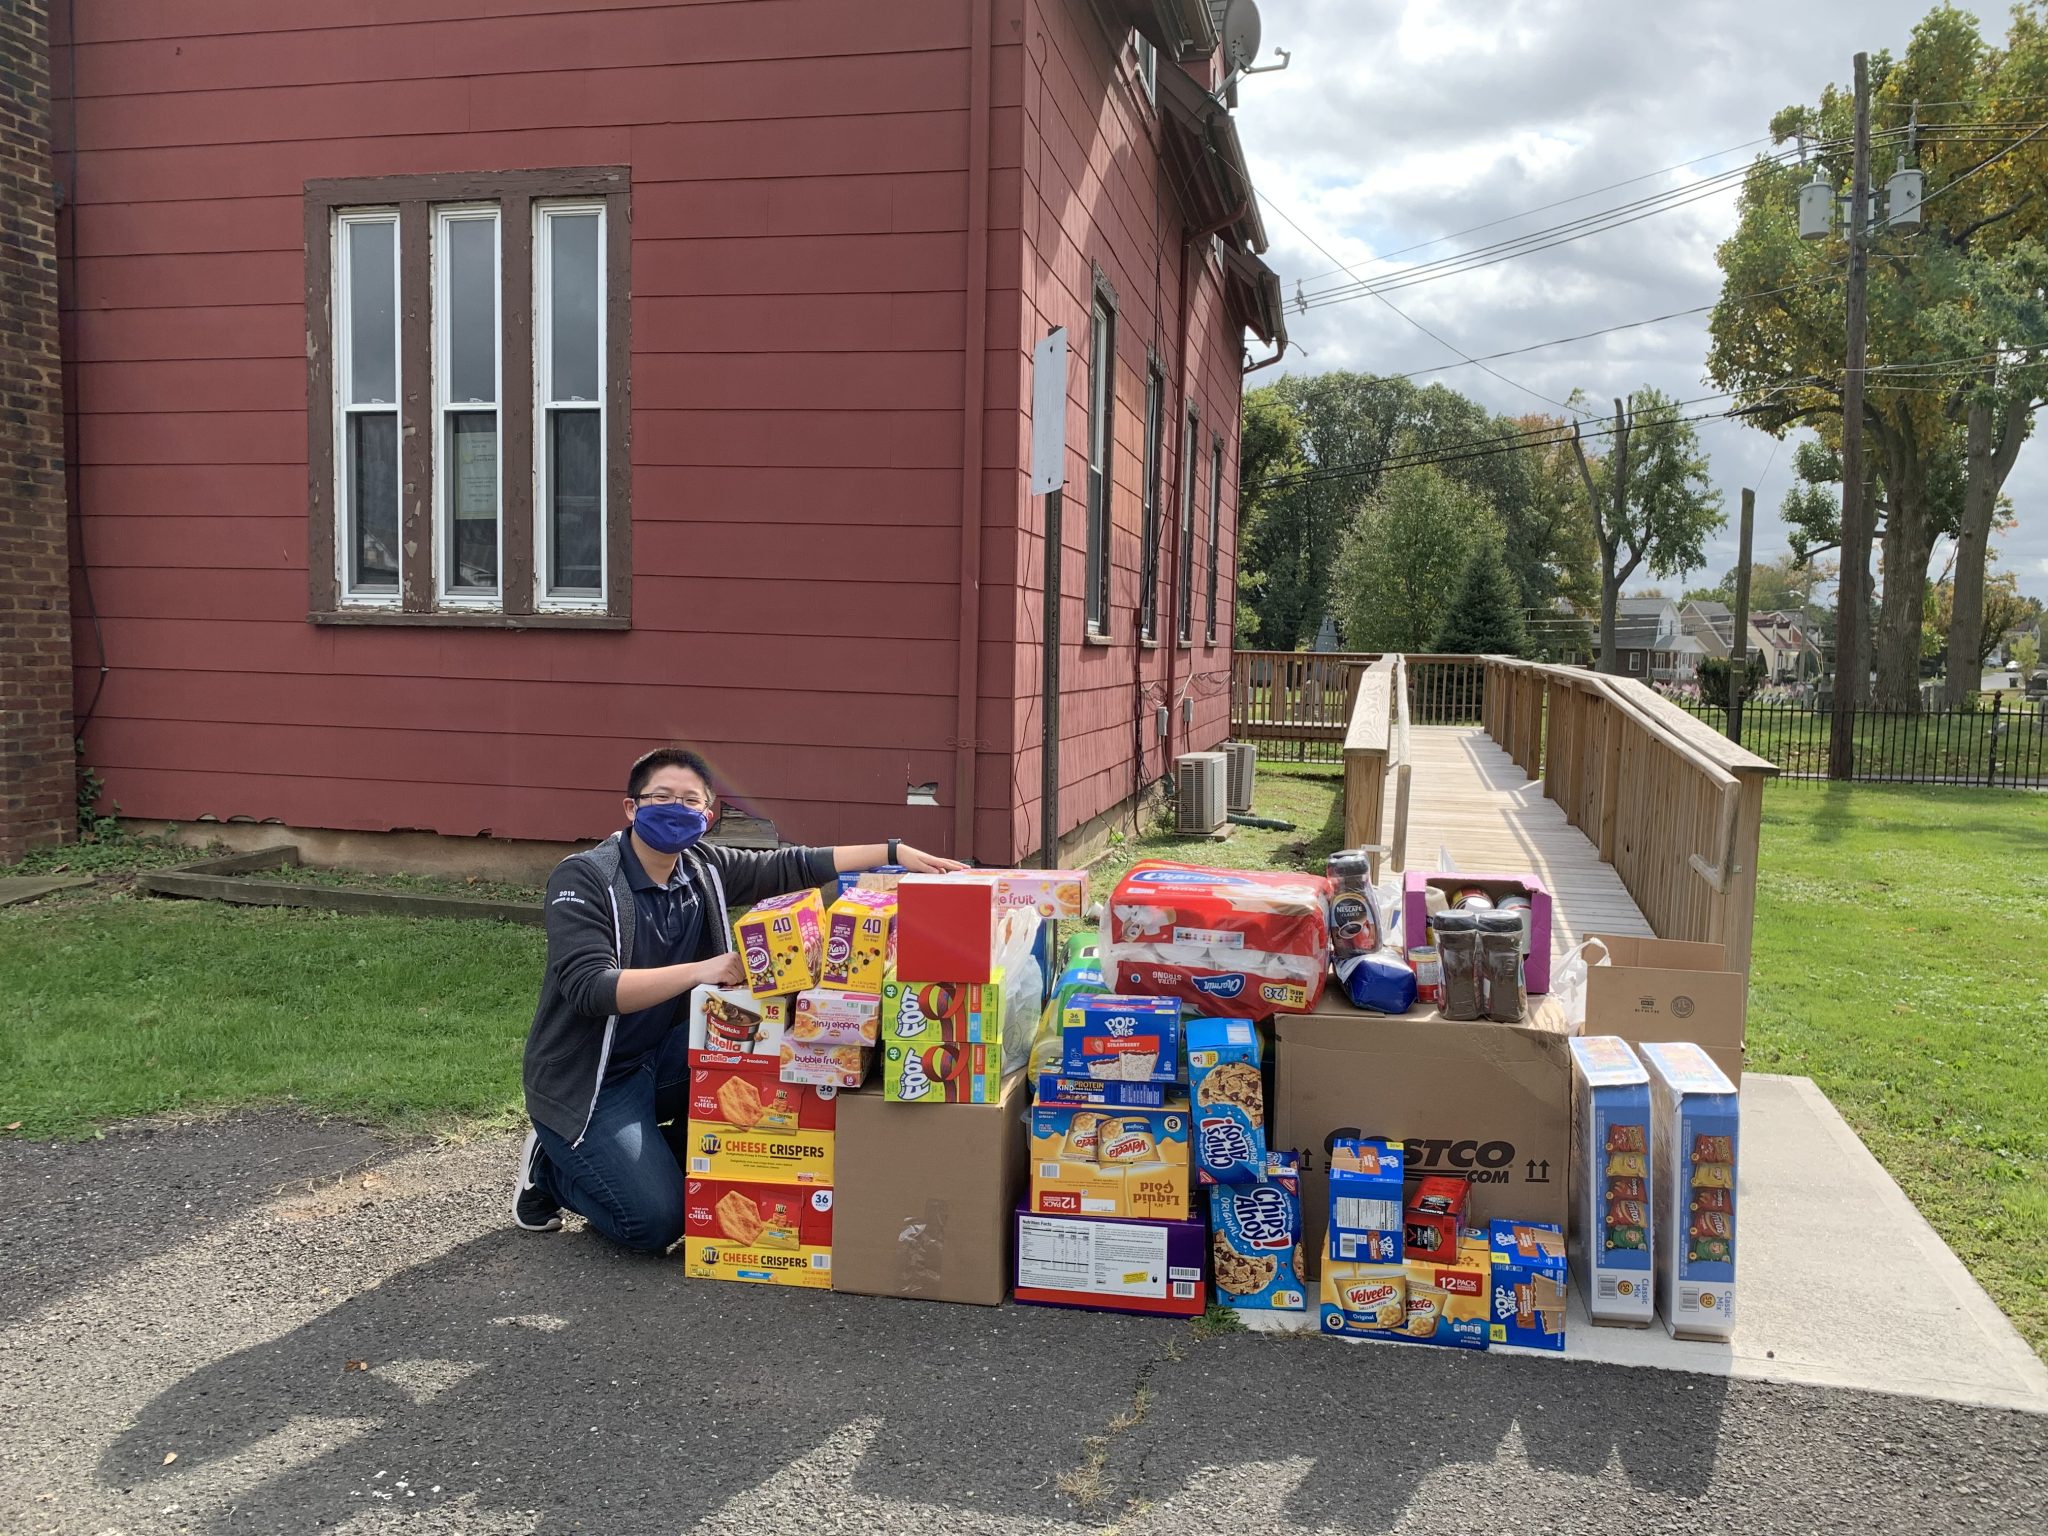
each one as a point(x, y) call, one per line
point(1635, 661)
point(1215, 532)
point(366, 415)
point(1101, 450)
point(469, 537)
point(1189, 452)
point(1148, 67)
point(569, 405)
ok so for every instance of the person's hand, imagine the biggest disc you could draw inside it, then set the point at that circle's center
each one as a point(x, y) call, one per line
point(921, 863)
point(724, 971)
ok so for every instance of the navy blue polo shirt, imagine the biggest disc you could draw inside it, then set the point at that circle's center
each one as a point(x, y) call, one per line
point(668, 926)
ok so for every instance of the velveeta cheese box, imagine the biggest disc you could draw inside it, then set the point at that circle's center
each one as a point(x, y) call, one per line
point(760, 1233)
point(860, 942)
point(782, 943)
point(1093, 1161)
point(1449, 1297)
point(1364, 1298)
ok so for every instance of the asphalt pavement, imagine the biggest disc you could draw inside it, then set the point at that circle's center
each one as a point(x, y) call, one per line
point(270, 1324)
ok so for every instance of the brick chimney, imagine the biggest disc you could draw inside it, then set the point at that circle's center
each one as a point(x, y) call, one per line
point(37, 773)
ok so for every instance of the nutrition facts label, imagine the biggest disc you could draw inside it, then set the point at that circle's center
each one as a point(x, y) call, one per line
point(1057, 1255)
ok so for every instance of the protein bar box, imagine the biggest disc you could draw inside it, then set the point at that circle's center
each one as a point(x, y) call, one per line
point(1612, 1231)
point(1112, 1264)
point(1695, 1119)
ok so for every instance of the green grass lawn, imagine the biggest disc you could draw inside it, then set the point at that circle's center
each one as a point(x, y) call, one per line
point(1901, 962)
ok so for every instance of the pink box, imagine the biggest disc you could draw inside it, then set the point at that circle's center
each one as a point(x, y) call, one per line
point(1414, 910)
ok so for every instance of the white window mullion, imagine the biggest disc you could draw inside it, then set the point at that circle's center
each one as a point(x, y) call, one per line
point(571, 407)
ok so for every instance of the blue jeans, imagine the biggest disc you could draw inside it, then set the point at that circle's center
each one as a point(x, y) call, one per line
point(624, 1178)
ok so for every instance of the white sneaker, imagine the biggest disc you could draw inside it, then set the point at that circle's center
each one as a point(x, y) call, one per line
point(531, 1208)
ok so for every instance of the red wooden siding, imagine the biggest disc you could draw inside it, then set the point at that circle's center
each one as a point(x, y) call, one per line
point(799, 255)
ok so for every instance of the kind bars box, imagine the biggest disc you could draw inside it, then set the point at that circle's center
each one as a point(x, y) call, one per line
point(1096, 1162)
point(1449, 1295)
point(1528, 1281)
point(1055, 1089)
point(1255, 1242)
point(765, 1234)
point(860, 942)
point(1122, 1039)
point(1695, 1119)
point(1365, 1201)
point(1229, 1096)
point(782, 943)
point(1612, 1234)
point(745, 1122)
point(1111, 1265)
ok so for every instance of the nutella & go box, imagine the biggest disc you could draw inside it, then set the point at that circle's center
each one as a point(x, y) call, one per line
point(760, 1233)
point(1088, 1160)
point(860, 942)
point(733, 1019)
point(782, 943)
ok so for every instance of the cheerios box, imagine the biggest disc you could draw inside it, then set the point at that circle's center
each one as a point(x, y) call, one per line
point(1696, 1133)
point(1229, 1098)
point(757, 1232)
point(1612, 1232)
point(1131, 1039)
point(1528, 1284)
point(782, 943)
point(1364, 1298)
point(1087, 1161)
point(1255, 1243)
point(860, 942)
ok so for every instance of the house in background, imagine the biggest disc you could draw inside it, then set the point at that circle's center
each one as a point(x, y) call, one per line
point(1652, 643)
point(1782, 639)
point(460, 403)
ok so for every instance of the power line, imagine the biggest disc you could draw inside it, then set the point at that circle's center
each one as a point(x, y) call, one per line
point(1989, 160)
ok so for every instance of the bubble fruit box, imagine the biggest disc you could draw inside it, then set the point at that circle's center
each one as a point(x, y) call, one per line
point(860, 943)
point(1696, 1123)
point(1255, 1251)
point(1527, 1284)
point(1122, 1039)
point(1364, 1298)
point(761, 1233)
point(827, 1017)
point(1612, 1240)
point(782, 943)
point(1089, 1161)
point(1365, 1201)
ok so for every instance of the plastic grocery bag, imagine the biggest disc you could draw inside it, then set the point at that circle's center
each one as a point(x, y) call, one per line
point(1380, 982)
point(1568, 979)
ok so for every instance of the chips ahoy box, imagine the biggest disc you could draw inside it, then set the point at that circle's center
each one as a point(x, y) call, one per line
point(1528, 1278)
point(1255, 1247)
point(1695, 1118)
point(1612, 1233)
point(1229, 1098)
point(1365, 1201)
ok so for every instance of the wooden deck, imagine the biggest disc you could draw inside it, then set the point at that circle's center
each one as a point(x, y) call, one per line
point(1466, 795)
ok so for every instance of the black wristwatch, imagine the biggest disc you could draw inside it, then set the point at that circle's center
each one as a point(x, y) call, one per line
point(893, 844)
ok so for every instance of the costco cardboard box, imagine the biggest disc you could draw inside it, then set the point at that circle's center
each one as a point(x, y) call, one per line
point(1669, 989)
point(1490, 1103)
point(926, 1196)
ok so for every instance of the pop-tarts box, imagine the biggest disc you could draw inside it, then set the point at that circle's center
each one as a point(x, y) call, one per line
point(1229, 1101)
point(1365, 1201)
point(1255, 1243)
point(1612, 1228)
point(1130, 1039)
point(1528, 1283)
point(1695, 1121)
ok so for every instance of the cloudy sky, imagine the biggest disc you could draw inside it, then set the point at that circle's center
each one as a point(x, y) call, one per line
point(1400, 121)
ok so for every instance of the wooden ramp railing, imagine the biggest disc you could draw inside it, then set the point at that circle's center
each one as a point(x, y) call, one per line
point(1676, 808)
point(1375, 744)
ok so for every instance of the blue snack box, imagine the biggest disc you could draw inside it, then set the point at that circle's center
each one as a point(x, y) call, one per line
point(1528, 1284)
point(1695, 1118)
point(1229, 1101)
point(1053, 1088)
point(1365, 1201)
point(1124, 1039)
point(1256, 1246)
point(1613, 1235)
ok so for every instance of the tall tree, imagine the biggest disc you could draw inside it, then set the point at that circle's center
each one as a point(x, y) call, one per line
point(1650, 500)
point(1404, 558)
point(1777, 330)
point(1268, 452)
point(1485, 618)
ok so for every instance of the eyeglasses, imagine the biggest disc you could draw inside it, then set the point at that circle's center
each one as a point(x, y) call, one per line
point(689, 801)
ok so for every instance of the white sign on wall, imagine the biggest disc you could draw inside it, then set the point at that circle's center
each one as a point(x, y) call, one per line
point(1049, 413)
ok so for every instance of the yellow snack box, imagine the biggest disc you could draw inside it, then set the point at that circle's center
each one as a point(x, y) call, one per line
point(1364, 1298)
point(782, 943)
point(860, 941)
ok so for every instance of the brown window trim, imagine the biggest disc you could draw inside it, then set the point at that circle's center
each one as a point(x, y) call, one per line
point(414, 196)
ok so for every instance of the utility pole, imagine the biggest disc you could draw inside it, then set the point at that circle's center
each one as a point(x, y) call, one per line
point(1849, 593)
point(1738, 648)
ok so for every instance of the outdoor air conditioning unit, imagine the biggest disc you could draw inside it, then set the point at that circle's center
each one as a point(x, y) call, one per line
point(1244, 763)
point(1198, 784)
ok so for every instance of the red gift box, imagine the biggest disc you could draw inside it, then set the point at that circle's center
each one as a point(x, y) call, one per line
point(945, 929)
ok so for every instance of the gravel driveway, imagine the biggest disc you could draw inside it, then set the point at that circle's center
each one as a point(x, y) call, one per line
point(270, 1324)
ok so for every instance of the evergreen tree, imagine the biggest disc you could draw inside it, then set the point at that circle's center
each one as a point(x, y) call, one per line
point(1486, 617)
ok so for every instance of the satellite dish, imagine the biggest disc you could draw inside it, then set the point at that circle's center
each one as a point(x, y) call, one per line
point(1240, 33)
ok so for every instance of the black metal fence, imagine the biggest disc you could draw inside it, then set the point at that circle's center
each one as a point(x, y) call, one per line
point(2001, 742)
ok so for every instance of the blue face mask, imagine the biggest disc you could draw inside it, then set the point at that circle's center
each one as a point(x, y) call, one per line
point(670, 828)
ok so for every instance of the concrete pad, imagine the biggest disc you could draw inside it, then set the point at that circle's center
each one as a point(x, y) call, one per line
point(1840, 1282)
point(18, 888)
